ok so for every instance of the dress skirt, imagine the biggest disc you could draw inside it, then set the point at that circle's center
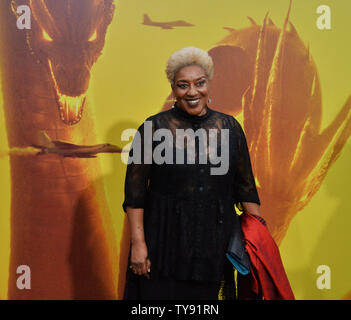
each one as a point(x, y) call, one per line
point(167, 288)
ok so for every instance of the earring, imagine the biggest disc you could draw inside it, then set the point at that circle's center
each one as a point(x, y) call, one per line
point(209, 100)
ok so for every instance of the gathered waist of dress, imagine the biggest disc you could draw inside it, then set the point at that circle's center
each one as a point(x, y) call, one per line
point(191, 196)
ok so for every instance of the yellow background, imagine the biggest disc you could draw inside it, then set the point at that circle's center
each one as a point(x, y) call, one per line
point(129, 84)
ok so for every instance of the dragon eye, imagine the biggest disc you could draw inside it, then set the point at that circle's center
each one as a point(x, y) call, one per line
point(93, 37)
point(46, 36)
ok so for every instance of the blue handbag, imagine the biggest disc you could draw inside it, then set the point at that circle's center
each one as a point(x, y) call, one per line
point(236, 252)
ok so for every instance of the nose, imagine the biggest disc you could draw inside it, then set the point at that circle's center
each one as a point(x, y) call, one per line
point(192, 91)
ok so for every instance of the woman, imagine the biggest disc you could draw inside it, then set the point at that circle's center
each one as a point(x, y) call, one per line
point(181, 213)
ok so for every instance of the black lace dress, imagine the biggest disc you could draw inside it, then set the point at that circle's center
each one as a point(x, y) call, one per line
point(188, 207)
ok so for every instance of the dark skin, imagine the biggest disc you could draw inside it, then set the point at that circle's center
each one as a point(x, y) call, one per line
point(191, 90)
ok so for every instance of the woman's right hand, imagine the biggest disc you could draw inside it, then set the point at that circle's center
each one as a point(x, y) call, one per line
point(139, 261)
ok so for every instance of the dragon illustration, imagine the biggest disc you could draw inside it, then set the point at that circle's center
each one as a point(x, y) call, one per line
point(60, 222)
point(268, 74)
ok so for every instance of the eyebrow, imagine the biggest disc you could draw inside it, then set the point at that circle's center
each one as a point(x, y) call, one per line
point(181, 80)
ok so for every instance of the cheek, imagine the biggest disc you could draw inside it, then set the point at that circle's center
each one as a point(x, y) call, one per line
point(179, 93)
point(204, 92)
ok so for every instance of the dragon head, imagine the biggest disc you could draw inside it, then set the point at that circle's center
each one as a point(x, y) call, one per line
point(67, 37)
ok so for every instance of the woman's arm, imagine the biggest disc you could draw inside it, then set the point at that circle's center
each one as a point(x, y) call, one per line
point(136, 224)
point(246, 195)
point(136, 189)
point(140, 263)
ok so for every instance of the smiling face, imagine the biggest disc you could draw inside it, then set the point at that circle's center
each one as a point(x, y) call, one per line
point(191, 89)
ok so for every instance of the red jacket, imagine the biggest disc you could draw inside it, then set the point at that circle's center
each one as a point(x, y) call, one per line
point(267, 279)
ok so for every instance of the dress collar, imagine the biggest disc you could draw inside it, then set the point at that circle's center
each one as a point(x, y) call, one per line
point(176, 109)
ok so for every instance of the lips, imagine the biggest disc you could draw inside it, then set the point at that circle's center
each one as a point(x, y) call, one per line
point(193, 102)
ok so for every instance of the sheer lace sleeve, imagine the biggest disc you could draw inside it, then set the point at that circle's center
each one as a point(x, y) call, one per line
point(244, 181)
point(138, 170)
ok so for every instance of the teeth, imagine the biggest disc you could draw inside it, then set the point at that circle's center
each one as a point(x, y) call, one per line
point(71, 108)
point(193, 102)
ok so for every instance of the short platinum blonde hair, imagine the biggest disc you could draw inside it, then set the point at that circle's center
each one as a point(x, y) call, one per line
point(186, 57)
